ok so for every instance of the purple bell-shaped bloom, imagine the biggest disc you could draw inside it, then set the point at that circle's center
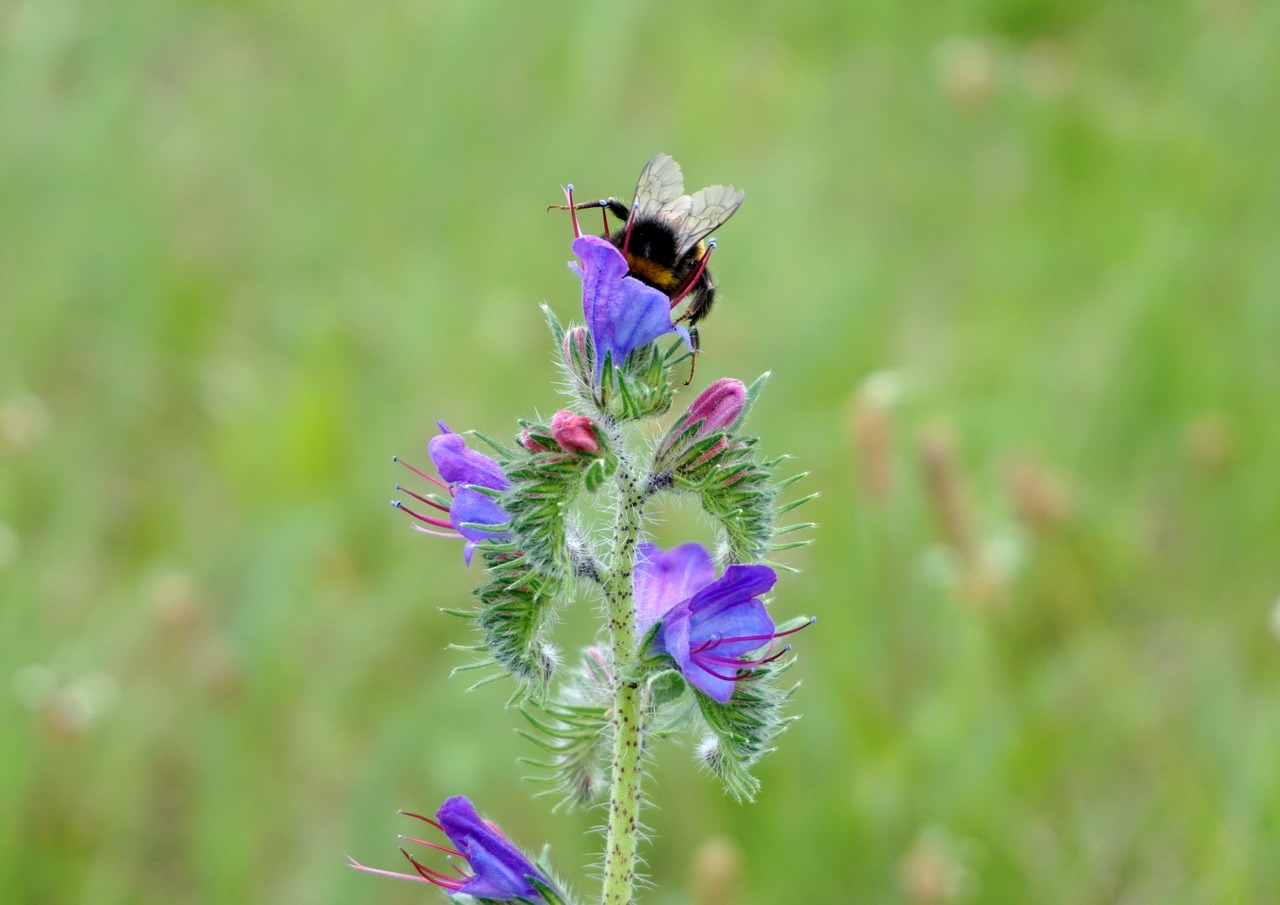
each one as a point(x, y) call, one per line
point(709, 625)
point(622, 313)
point(469, 509)
point(495, 868)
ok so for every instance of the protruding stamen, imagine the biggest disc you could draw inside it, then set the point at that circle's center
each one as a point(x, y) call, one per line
point(437, 847)
point(790, 631)
point(769, 659)
point(439, 523)
point(711, 672)
point(422, 499)
point(692, 280)
point(573, 210)
point(631, 220)
point(451, 535)
point(421, 474)
point(434, 823)
point(710, 642)
point(434, 876)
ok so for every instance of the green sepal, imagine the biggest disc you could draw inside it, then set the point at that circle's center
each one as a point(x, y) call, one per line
point(753, 392)
point(512, 618)
point(743, 729)
point(666, 687)
point(553, 324)
point(595, 474)
point(574, 734)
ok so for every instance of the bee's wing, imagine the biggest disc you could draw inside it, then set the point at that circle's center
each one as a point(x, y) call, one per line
point(708, 210)
point(660, 187)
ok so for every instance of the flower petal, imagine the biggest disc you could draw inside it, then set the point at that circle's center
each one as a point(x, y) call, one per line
point(737, 585)
point(727, 608)
point(501, 871)
point(459, 465)
point(664, 578)
point(622, 313)
point(474, 507)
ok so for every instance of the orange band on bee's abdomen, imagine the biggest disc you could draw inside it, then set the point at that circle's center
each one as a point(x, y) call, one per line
point(662, 277)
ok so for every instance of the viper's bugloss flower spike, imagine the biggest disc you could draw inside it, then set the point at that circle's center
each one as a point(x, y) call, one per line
point(466, 475)
point(575, 433)
point(709, 624)
point(622, 313)
point(495, 868)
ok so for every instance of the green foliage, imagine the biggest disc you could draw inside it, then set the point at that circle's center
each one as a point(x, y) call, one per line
point(512, 617)
point(743, 729)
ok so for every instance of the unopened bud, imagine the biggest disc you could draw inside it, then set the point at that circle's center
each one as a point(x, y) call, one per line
point(579, 355)
point(575, 433)
point(527, 441)
point(718, 406)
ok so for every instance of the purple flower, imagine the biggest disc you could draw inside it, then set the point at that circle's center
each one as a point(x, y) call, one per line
point(622, 313)
point(463, 470)
point(497, 869)
point(709, 624)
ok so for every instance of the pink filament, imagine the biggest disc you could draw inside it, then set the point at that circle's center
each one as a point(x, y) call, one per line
point(438, 522)
point(422, 474)
point(693, 278)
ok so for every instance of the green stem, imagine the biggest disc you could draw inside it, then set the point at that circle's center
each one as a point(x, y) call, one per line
point(628, 729)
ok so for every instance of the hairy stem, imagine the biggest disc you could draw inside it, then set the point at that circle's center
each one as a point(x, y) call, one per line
point(628, 729)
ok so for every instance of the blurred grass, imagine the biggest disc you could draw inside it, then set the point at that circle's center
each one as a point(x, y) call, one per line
point(252, 249)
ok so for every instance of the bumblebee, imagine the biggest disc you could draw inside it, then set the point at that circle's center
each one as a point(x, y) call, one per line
point(664, 234)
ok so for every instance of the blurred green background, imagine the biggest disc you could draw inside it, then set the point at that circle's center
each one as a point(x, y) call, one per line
point(1013, 266)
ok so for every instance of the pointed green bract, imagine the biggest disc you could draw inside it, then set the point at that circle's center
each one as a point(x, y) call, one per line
point(743, 730)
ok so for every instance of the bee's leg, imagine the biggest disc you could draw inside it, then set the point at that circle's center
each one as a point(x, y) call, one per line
point(693, 359)
point(692, 279)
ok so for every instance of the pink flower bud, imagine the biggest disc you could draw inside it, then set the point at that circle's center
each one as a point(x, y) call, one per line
point(718, 406)
point(578, 354)
point(575, 433)
point(527, 441)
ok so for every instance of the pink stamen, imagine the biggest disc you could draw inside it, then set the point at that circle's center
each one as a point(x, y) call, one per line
point(438, 522)
point(449, 882)
point(710, 642)
point(604, 215)
point(434, 876)
point(439, 848)
point(451, 535)
point(692, 279)
point(772, 657)
point(631, 219)
point(573, 211)
point(711, 672)
point(421, 474)
point(434, 823)
point(791, 631)
point(422, 499)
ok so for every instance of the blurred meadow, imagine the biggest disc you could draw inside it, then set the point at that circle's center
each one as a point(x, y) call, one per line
point(1013, 265)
